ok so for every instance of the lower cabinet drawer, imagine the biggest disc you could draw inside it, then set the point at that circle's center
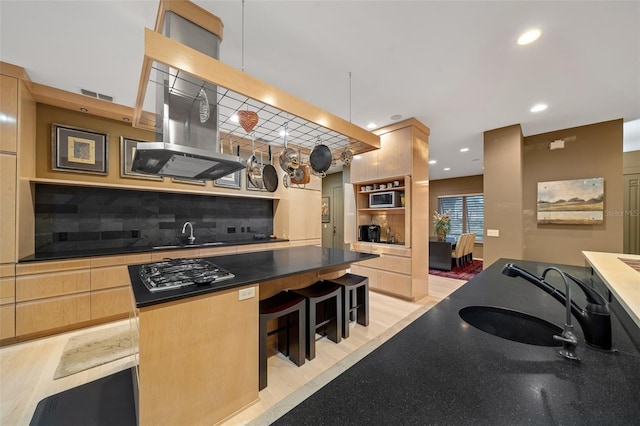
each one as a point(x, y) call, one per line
point(107, 303)
point(7, 321)
point(370, 273)
point(389, 263)
point(395, 283)
point(46, 314)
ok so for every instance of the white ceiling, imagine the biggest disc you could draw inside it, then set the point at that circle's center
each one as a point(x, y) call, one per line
point(453, 65)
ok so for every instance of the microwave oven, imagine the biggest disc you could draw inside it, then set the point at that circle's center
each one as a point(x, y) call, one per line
point(384, 199)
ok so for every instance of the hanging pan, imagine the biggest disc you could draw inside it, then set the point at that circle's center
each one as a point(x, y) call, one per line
point(254, 172)
point(289, 160)
point(300, 176)
point(270, 175)
point(320, 158)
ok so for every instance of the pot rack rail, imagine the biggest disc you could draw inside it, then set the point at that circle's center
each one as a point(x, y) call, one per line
point(236, 91)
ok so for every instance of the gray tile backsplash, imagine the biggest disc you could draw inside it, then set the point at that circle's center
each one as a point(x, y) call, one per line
point(79, 218)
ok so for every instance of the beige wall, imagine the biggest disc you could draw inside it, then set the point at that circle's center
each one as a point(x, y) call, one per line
point(455, 186)
point(596, 152)
point(503, 193)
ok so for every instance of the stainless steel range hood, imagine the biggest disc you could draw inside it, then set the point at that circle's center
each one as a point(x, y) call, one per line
point(188, 144)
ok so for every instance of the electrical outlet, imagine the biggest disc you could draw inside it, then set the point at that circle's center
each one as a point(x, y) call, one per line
point(231, 230)
point(493, 232)
point(135, 233)
point(246, 293)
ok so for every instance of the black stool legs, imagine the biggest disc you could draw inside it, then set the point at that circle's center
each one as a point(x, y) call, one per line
point(355, 296)
point(322, 313)
point(290, 310)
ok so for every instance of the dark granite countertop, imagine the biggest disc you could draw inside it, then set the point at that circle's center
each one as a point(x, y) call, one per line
point(140, 249)
point(252, 268)
point(440, 370)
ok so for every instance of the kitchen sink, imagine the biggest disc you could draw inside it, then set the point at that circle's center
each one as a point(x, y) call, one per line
point(512, 325)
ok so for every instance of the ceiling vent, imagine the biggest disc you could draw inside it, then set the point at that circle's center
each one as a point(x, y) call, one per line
point(96, 95)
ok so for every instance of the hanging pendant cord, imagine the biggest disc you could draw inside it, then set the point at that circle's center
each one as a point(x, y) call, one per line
point(242, 48)
point(349, 96)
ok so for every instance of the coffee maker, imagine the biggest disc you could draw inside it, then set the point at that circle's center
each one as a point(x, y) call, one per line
point(369, 233)
point(373, 233)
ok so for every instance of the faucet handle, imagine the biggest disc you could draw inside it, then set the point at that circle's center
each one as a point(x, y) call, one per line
point(569, 343)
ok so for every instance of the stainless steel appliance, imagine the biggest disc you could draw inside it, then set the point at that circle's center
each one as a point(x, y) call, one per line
point(373, 233)
point(176, 273)
point(188, 143)
point(385, 199)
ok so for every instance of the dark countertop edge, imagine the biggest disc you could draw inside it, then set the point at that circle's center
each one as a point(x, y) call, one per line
point(145, 298)
point(133, 250)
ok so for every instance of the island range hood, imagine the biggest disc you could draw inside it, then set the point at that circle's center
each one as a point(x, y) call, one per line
point(188, 144)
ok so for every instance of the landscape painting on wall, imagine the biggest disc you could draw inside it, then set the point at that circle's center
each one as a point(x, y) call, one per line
point(571, 202)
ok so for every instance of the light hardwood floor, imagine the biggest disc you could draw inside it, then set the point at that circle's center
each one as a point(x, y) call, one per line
point(26, 369)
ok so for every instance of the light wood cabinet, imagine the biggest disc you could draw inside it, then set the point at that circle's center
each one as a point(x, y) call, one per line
point(52, 313)
point(402, 269)
point(9, 108)
point(7, 301)
point(217, 358)
point(111, 286)
point(8, 164)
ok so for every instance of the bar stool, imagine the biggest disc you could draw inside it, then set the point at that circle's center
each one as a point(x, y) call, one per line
point(322, 313)
point(355, 299)
point(284, 306)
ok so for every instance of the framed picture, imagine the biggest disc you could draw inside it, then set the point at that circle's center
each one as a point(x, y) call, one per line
point(325, 210)
point(127, 151)
point(190, 181)
point(571, 202)
point(79, 150)
point(229, 181)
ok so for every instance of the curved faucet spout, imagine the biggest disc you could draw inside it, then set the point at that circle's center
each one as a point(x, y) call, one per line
point(184, 229)
point(595, 319)
point(568, 339)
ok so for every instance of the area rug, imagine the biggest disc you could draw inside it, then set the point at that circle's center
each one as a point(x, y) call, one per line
point(463, 273)
point(94, 349)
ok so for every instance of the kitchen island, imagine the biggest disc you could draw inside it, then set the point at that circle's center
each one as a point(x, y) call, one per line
point(440, 370)
point(198, 358)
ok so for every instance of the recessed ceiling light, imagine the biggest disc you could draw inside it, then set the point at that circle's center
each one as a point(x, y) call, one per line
point(372, 126)
point(127, 119)
point(83, 109)
point(538, 108)
point(396, 117)
point(446, 169)
point(432, 161)
point(464, 149)
point(529, 37)
point(235, 118)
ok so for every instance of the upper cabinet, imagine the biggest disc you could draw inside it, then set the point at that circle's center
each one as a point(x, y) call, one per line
point(393, 159)
point(9, 110)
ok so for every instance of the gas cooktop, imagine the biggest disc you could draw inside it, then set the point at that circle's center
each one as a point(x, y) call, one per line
point(170, 274)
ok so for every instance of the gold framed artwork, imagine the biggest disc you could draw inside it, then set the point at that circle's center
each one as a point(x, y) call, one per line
point(79, 150)
point(127, 151)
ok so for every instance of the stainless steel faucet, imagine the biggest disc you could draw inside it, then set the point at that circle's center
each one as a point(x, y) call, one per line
point(184, 228)
point(568, 338)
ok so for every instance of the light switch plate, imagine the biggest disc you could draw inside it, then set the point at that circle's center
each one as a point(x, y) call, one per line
point(493, 232)
point(246, 293)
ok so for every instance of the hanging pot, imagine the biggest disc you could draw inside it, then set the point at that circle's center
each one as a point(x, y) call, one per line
point(289, 160)
point(270, 175)
point(254, 172)
point(300, 176)
point(346, 156)
point(320, 158)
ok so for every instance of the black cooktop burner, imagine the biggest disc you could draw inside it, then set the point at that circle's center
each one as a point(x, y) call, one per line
point(175, 273)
